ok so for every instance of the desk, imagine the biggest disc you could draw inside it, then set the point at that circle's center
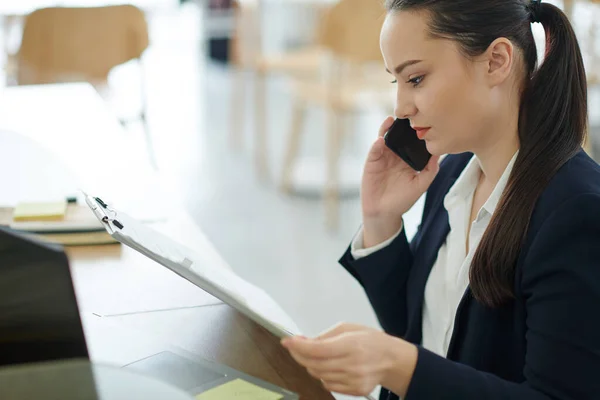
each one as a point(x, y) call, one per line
point(114, 282)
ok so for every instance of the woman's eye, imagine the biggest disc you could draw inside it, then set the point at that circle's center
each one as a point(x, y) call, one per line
point(394, 81)
point(416, 80)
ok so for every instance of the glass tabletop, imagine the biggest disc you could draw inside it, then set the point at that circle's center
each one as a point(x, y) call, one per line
point(81, 380)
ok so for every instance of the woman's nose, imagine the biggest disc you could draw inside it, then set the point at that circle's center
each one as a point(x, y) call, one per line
point(405, 108)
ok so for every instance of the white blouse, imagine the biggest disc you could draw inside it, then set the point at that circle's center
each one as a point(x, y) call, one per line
point(449, 276)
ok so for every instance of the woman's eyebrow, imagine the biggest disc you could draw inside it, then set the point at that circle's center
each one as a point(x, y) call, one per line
point(398, 70)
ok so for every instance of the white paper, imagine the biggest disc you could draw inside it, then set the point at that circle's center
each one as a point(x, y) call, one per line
point(216, 280)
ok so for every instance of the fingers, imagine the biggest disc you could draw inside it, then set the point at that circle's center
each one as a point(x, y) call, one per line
point(338, 387)
point(378, 148)
point(386, 125)
point(376, 151)
point(332, 375)
point(328, 376)
point(320, 366)
point(338, 358)
point(348, 388)
point(338, 329)
point(335, 347)
point(342, 382)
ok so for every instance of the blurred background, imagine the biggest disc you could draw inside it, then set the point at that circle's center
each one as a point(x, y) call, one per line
point(257, 114)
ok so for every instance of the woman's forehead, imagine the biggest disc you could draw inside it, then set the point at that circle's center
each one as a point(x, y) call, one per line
point(405, 35)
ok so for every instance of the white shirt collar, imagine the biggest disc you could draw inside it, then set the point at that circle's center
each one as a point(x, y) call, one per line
point(467, 182)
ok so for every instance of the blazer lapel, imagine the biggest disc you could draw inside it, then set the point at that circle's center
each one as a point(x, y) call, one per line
point(433, 238)
point(434, 232)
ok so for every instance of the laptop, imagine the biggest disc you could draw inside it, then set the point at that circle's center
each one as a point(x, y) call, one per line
point(39, 317)
point(40, 321)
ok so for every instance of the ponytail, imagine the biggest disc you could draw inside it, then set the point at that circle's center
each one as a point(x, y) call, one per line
point(552, 127)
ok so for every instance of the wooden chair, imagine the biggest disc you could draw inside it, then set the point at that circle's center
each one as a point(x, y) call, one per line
point(247, 54)
point(354, 79)
point(63, 44)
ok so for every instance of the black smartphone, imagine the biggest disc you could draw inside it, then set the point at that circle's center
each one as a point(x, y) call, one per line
point(403, 140)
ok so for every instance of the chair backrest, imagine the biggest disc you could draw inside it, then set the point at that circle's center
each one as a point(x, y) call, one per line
point(350, 30)
point(72, 44)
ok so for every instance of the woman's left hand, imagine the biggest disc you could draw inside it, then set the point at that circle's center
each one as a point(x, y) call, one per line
point(353, 359)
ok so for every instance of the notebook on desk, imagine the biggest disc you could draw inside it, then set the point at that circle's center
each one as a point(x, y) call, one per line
point(78, 226)
point(224, 284)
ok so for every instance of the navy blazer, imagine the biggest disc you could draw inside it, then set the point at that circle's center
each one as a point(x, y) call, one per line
point(545, 344)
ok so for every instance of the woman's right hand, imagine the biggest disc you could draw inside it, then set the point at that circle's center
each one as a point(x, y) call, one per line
point(390, 187)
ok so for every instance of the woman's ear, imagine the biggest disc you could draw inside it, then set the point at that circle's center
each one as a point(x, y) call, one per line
point(499, 59)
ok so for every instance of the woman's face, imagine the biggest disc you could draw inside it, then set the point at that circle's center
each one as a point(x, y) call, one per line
point(437, 86)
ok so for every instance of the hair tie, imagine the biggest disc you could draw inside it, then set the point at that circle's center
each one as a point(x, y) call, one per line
point(534, 10)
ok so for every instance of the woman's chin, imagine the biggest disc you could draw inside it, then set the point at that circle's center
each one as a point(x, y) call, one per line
point(438, 148)
point(434, 148)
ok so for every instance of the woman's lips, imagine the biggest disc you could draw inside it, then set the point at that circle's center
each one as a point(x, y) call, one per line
point(421, 132)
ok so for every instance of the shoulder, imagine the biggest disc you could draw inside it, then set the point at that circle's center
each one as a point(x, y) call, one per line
point(576, 181)
point(570, 204)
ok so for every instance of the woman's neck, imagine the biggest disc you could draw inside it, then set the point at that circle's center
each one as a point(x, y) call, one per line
point(494, 159)
point(501, 144)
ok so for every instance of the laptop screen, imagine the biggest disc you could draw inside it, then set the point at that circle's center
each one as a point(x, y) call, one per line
point(39, 317)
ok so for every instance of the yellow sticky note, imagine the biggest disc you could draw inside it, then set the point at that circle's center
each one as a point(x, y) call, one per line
point(239, 389)
point(53, 211)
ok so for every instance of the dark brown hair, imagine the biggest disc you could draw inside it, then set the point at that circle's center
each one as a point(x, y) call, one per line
point(552, 117)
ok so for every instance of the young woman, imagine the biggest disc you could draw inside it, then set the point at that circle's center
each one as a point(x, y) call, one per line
point(498, 294)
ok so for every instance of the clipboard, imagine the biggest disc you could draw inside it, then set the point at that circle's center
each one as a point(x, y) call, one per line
point(222, 283)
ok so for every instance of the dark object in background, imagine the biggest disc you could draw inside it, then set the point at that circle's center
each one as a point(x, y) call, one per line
point(39, 317)
point(218, 49)
point(219, 39)
point(222, 22)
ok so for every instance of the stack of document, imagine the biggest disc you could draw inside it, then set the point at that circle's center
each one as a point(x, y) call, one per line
point(76, 226)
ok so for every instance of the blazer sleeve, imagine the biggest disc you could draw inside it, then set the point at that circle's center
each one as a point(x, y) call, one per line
point(383, 275)
point(560, 284)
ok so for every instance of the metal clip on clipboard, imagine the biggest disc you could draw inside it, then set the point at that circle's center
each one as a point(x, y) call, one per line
point(102, 211)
